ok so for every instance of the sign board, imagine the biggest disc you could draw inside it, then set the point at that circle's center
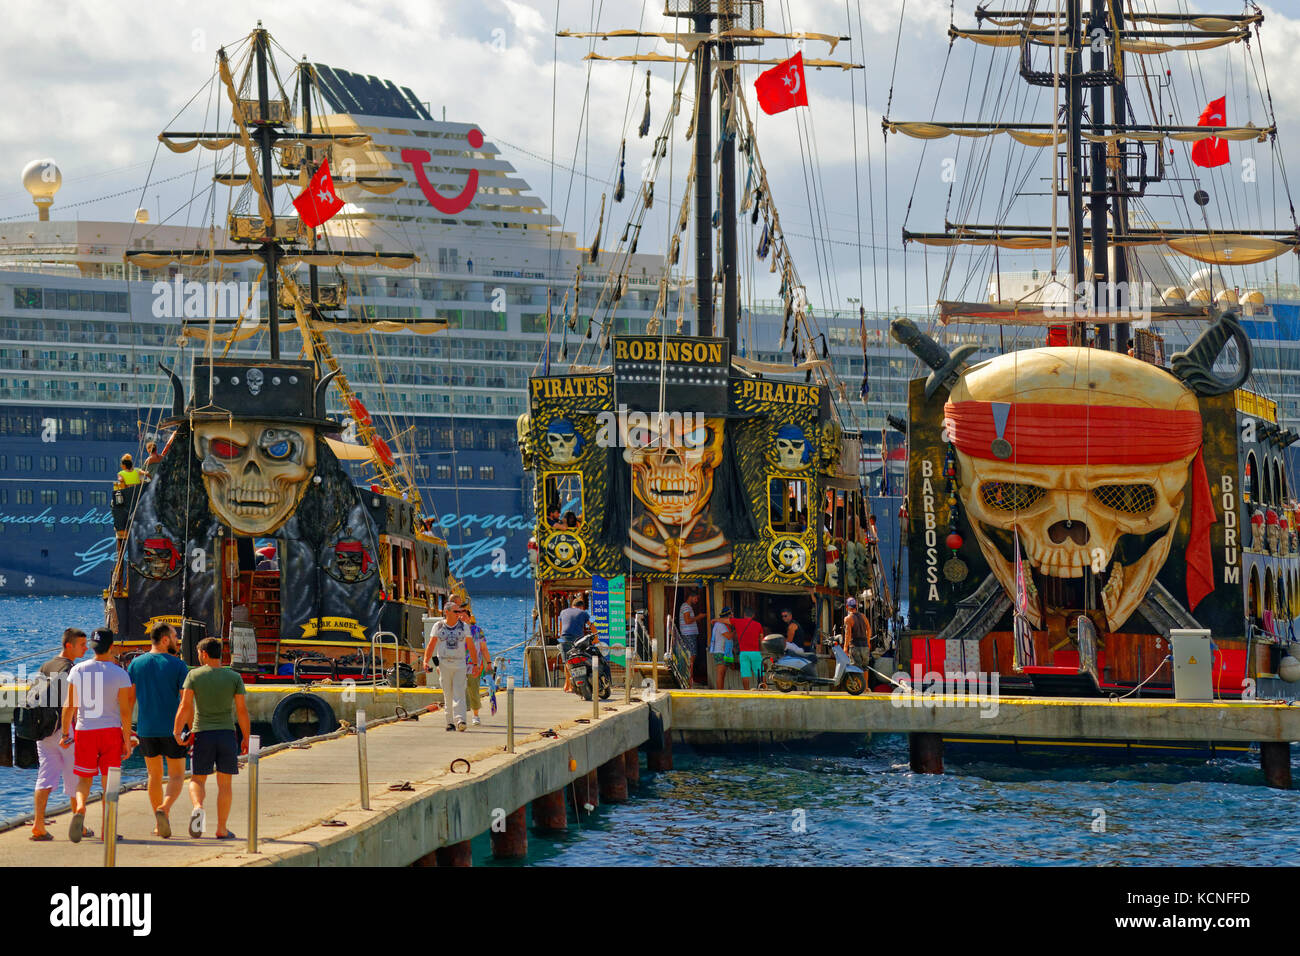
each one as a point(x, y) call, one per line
point(616, 619)
point(243, 644)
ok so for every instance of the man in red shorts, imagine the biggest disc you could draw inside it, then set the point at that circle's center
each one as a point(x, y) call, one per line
point(99, 693)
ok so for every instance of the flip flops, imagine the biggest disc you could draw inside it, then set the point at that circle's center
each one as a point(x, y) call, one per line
point(196, 823)
point(228, 835)
point(164, 825)
point(75, 827)
point(40, 837)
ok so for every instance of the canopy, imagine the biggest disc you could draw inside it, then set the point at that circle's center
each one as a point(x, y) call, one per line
point(1034, 134)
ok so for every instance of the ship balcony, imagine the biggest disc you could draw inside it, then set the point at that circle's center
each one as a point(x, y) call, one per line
point(277, 112)
point(253, 229)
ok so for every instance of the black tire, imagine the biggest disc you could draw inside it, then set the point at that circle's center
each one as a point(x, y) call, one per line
point(783, 684)
point(585, 690)
point(284, 727)
point(855, 684)
point(606, 682)
point(403, 672)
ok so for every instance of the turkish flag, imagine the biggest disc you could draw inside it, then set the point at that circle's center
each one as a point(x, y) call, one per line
point(319, 202)
point(782, 87)
point(1213, 151)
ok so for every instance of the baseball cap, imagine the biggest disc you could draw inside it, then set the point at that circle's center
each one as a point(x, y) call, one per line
point(851, 602)
point(725, 612)
point(101, 640)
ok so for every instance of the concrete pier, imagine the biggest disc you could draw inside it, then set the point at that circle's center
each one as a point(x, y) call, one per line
point(310, 812)
point(612, 779)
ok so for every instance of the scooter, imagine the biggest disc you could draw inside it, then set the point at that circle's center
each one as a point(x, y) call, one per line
point(579, 661)
point(794, 668)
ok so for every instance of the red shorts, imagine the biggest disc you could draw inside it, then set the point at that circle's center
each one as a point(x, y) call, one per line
point(95, 751)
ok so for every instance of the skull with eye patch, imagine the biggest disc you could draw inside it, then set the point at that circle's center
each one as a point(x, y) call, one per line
point(255, 472)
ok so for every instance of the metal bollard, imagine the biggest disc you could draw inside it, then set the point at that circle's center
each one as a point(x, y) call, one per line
point(654, 663)
point(510, 715)
point(112, 784)
point(362, 763)
point(254, 747)
point(595, 684)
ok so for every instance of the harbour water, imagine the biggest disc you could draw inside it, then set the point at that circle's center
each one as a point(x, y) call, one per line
point(792, 806)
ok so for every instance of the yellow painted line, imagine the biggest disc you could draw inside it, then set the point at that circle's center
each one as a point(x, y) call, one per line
point(1017, 701)
point(1047, 742)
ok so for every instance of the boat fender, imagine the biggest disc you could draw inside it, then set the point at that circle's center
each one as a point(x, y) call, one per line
point(1289, 669)
point(655, 741)
point(326, 721)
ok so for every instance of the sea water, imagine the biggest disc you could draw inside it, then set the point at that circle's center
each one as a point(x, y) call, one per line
point(853, 805)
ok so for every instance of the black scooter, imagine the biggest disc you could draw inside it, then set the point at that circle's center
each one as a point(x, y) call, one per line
point(579, 661)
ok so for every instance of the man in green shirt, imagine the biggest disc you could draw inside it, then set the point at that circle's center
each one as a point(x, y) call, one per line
point(211, 700)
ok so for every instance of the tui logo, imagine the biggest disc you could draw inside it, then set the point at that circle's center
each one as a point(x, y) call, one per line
point(448, 205)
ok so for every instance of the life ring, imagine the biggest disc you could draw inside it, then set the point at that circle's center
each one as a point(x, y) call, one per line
point(359, 413)
point(382, 451)
point(325, 719)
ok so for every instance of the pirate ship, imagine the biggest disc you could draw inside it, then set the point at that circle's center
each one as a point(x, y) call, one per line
point(253, 458)
point(669, 463)
point(1072, 504)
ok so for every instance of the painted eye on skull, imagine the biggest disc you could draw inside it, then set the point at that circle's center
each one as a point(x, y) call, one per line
point(277, 446)
point(1011, 495)
point(696, 438)
point(1137, 499)
point(225, 449)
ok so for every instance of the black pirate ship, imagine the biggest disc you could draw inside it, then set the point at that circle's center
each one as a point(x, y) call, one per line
point(253, 457)
point(670, 463)
point(1072, 505)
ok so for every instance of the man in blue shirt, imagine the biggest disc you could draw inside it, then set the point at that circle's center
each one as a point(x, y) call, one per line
point(574, 623)
point(157, 678)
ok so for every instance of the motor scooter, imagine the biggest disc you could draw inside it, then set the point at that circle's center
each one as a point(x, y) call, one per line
point(793, 668)
point(579, 661)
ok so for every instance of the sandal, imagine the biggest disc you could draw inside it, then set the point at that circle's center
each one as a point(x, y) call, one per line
point(75, 829)
point(40, 837)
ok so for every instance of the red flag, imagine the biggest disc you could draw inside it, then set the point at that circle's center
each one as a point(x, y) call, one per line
point(319, 202)
point(1200, 560)
point(1213, 151)
point(782, 87)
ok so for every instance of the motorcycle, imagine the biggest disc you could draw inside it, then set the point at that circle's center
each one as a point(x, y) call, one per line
point(579, 661)
point(793, 668)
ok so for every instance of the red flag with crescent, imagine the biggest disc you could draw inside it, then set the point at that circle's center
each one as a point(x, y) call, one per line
point(782, 87)
point(1213, 151)
point(319, 202)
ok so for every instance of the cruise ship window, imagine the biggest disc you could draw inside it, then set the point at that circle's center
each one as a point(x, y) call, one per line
point(74, 497)
point(464, 472)
point(23, 463)
point(4, 500)
point(486, 473)
point(99, 498)
point(444, 472)
point(49, 497)
point(49, 463)
point(71, 463)
point(4, 462)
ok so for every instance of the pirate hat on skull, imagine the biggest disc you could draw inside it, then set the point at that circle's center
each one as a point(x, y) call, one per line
point(1071, 449)
point(284, 392)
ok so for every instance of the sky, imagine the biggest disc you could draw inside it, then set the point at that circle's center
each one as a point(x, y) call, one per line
point(92, 84)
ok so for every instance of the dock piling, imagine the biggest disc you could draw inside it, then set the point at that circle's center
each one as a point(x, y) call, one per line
point(112, 786)
point(925, 752)
point(662, 759)
point(586, 790)
point(550, 812)
point(6, 745)
point(511, 843)
point(363, 763)
point(254, 748)
point(612, 775)
point(458, 854)
point(632, 767)
point(1275, 761)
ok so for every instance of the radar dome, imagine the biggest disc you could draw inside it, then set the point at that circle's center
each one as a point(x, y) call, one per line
point(42, 178)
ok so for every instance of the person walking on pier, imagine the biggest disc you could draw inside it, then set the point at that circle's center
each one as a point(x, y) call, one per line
point(212, 698)
point(99, 695)
point(449, 654)
point(478, 661)
point(55, 761)
point(159, 677)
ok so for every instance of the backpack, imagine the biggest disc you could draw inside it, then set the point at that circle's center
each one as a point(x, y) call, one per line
point(37, 719)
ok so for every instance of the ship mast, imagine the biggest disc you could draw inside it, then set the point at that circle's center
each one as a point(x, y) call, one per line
point(266, 139)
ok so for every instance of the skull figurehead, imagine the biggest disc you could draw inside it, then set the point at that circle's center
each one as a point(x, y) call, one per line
point(351, 561)
point(791, 447)
point(1085, 454)
point(255, 472)
point(672, 461)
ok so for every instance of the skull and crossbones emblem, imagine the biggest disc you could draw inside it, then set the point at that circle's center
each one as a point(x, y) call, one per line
point(788, 556)
point(563, 442)
point(1097, 459)
point(791, 448)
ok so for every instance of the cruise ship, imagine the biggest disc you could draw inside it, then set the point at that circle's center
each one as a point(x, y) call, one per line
point(82, 333)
